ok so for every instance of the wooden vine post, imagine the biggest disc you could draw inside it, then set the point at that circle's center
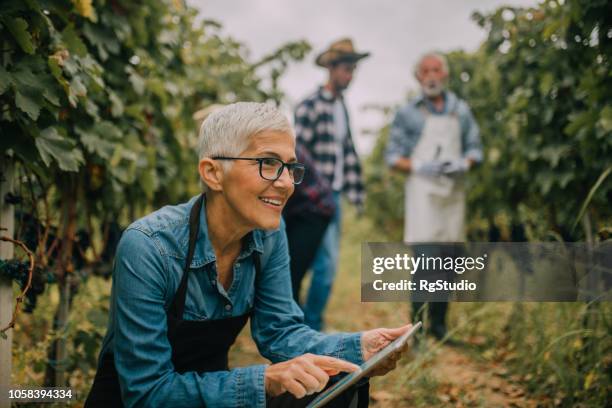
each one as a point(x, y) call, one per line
point(7, 222)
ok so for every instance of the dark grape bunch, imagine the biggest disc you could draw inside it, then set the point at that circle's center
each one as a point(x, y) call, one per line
point(18, 271)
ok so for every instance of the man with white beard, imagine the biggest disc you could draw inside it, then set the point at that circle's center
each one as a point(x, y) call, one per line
point(434, 140)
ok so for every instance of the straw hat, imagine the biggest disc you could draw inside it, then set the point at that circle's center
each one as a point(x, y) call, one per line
point(341, 50)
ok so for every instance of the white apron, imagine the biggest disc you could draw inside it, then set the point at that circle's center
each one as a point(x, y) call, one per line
point(435, 206)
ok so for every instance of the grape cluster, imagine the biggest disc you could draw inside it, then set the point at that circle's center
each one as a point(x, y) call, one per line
point(18, 271)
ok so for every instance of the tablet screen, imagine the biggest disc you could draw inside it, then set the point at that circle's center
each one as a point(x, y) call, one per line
point(365, 368)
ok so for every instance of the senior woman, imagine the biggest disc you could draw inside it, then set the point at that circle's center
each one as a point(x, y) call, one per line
point(188, 277)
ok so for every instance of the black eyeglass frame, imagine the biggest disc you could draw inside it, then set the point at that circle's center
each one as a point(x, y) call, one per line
point(290, 166)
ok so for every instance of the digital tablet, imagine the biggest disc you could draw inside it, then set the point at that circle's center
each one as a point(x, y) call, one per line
point(350, 379)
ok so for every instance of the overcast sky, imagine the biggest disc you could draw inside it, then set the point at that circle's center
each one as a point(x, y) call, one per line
point(395, 32)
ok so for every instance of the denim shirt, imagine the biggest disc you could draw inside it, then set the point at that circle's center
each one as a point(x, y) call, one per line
point(148, 267)
point(409, 122)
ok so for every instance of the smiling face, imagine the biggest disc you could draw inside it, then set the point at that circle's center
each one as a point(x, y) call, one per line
point(256, 203)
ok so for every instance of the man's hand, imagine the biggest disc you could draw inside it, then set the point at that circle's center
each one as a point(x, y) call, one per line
point(304, 375)
point(373, 341)
point(403, 164)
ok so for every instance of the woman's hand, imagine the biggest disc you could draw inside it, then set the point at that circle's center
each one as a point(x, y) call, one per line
point(304, 375)
point(373, 341)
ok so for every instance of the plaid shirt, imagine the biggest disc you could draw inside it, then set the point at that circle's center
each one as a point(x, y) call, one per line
point(314, 129)
point(313, 194)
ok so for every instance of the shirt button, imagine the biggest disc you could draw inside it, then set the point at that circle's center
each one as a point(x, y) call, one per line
point(228, 307)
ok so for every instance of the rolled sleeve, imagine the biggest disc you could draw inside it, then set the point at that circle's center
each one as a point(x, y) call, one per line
point(278, 325)
point(351, 348)
point(393, 150)
point(251, 387)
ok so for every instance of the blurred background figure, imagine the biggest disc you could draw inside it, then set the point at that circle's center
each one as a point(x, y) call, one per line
point(322, 127)
point(435, 140)
point(307, 215)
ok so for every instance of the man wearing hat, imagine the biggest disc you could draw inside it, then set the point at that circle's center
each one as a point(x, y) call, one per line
point(322, 127)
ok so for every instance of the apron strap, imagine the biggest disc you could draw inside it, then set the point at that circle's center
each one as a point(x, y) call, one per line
point(178, 304)
point(177, 307)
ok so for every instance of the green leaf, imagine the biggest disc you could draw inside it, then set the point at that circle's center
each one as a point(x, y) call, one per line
point(73, 42)
point(148, 182)
point(107, 130)
point(71, 66)
point(91, 108)
point(52, 146)
point(19, 28)
point(96, 145)
point(156, 86)
point(137, 82)
point(98, 139)
point(78, 86)
point(579, 120)
point(55, 68)
point(50, 94)
point(553, 154)
point(546, 83)
point(104, 41)
point(117, 106)
point(605, 119)
point(25, 77)
point(5, 80)
point(27, 104)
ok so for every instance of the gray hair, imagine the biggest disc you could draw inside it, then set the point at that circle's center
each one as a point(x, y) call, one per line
point(228, 130)
point(440, 57)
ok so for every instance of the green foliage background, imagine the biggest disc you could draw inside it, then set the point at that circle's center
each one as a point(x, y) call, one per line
point(102, 95)
point(97, 99)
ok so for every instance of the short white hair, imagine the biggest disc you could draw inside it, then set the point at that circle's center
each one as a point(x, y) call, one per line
point(436, 55)
point(228, 130)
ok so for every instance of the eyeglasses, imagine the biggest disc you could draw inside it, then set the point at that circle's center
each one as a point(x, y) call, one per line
point(271, 168)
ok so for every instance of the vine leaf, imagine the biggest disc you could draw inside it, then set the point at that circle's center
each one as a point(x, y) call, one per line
point(5, 80)
point(73, 42)
point(27, 104)
point(19, 28)
point(51, 145)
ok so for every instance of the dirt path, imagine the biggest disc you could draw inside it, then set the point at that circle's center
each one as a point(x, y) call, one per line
point(462, 382)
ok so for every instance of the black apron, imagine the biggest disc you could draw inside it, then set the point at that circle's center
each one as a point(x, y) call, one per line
point(199, 346)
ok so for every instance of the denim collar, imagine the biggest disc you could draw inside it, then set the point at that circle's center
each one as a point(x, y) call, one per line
point(204, 251)
point(450, 103)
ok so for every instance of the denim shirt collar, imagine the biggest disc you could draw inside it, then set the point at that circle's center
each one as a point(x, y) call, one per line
point(450, 103)
point(204, 252)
